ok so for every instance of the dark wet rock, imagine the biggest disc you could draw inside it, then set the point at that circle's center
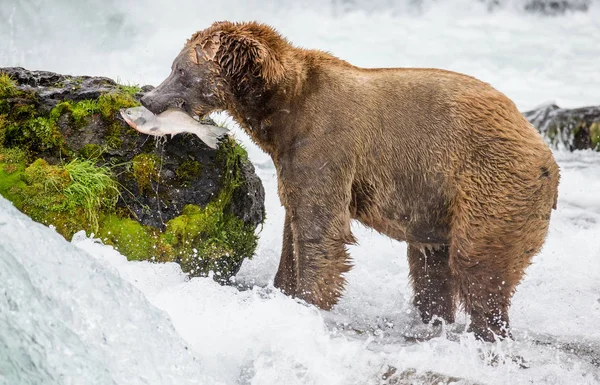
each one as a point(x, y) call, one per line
point(412, 377)
point(556, 7)
point(541, 7)
point(52, 88)
point(573, 129)
point(157, 178)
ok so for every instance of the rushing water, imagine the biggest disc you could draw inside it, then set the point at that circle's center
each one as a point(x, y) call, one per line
point(69, 315)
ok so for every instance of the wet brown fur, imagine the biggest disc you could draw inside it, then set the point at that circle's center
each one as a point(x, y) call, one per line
point(432, 157)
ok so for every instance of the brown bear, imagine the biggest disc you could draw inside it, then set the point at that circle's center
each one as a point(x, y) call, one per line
point(435, 158)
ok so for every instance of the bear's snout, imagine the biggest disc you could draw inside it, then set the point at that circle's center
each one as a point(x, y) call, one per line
point(155, 102)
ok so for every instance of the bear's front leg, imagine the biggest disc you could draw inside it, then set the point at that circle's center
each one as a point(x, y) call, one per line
point(321, 234)
point(317, 213)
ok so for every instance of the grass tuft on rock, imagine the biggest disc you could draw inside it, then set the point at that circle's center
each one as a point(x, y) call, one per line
point(69, 197)
point(130, 89)
point(92, 188)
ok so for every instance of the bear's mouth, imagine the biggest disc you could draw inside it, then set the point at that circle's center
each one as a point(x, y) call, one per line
point(181, 104)
point(181, 107)
point(185, 108)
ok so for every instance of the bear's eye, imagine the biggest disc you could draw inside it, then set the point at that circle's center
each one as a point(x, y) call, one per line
point(181, 72)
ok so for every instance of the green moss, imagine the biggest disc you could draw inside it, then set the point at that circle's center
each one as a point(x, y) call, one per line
point(81, 110)
point(14, 103)
point(11, 182)
point(188, 171)
point(59, 109)
point(21, 124)
point(81, 195)
point(92, 151)
point(206, 239)
point(110, 103)
point(113, 136)
point(12, 160)
point(52, 178)
point(44, 132)
point(10, 168)
point(8, 89)
point(145, 171)
point(7, 86)
point(12, 156)
point(201, 239)
point(23, 128)
point(230, 156)
point(3, 126)
point(23, 110)
point(595, 135)
point(130, 89)
point(131, 238)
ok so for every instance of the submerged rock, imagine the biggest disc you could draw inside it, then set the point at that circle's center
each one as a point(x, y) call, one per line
point(411, 377)
point(542, 7)
point(67, 159)
point(573, 129)
point(556, 7)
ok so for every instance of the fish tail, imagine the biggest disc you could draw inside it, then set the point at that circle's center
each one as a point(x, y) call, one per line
point(210, 142)
point(218, 131)
point(212, 136)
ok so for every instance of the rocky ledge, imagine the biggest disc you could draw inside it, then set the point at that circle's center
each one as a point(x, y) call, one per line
point(572, 129)
point(67, 159)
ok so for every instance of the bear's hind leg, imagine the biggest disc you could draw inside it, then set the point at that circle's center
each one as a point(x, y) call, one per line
point(432, 282)
point(485, 283)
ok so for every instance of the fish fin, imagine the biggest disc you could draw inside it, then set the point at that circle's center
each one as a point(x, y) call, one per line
point(209, 140)
point(218, 131)
point(210, 136)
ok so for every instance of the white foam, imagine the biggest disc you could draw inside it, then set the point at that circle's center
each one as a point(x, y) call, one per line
point(259, 336)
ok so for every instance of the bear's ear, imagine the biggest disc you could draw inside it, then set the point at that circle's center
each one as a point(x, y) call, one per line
point(241, 56)
point(209, 47)
point(271, 68)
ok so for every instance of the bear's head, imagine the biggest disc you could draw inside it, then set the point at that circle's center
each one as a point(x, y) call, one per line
point(219, 68)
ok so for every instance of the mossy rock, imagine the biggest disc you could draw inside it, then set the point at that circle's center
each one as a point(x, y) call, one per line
point(69, 161)
point(572, 129)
